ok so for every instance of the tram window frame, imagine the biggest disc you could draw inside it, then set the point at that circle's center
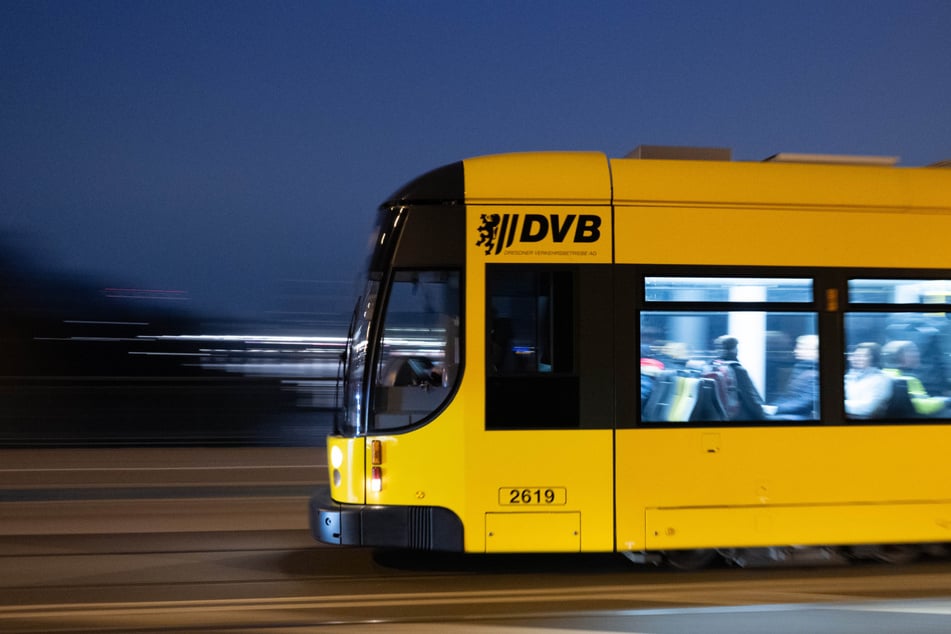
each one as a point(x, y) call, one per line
point(408, 388)
point(532, 387)
point(884, 311)
point(708, 294)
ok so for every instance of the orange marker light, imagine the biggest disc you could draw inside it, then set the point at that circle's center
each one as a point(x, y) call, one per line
point(832, 300)
point(376, 452)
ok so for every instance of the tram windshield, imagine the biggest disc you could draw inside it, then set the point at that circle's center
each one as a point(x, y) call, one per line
point(419, 352)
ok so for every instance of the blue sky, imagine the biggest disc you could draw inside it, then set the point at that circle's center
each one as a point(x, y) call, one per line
point(223, 148)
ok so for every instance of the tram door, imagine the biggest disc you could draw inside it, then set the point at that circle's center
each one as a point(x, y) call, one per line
point(545, 453)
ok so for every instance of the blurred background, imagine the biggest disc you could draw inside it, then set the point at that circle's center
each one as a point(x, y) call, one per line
point(186, 189)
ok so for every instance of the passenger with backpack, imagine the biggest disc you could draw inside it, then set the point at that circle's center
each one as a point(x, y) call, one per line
point(740, 398)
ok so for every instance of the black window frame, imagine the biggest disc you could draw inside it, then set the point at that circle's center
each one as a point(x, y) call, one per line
point(634, 277)
point(580, 398)
point(850, 307)
point(831, 302)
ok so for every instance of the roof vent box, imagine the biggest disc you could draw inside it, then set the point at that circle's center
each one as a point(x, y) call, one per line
point(681, 153)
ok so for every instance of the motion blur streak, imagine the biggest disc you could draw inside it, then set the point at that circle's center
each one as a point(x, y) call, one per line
point(121, 490)
point(250, 612)
point(91, 364)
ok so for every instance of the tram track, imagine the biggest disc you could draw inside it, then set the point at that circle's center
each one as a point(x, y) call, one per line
point(282, 581)
point(236, 563)
point(350, 608)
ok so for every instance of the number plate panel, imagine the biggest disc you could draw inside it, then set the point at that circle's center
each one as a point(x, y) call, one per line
point(533, 496)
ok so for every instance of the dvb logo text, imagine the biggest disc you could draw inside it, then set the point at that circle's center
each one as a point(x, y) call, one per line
point(499, 231)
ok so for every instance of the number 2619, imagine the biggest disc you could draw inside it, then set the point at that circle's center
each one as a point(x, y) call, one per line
point(532, 495)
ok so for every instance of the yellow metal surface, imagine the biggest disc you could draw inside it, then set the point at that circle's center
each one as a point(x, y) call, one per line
point(544, 178)
point(576, 463)
point(532, 532)
point(882, 523)
point(684, 235)
point(798, 482)
point(685, 212)
point(423, 467)
point(758, 185)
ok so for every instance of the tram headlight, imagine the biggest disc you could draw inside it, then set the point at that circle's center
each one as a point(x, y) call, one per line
point(336, 457)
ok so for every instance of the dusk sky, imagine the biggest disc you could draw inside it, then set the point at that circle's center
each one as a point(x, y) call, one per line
point(224, 148)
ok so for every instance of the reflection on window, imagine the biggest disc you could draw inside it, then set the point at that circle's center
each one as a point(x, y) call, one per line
point(352, 420)
point(731, 289)
point(420, 352)
point(729, 366)
point(869, 291)
point(530, 329)
point(898, 365)
point(531, 378)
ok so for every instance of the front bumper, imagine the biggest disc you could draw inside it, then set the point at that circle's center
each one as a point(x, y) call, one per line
point(411, 527)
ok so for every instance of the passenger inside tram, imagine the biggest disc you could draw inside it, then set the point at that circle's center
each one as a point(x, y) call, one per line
point(902, 359)
point(929, 333)
point(681, 383)
point(679, 349)
point(739, 397)
point(798, 401)
point(867, 388)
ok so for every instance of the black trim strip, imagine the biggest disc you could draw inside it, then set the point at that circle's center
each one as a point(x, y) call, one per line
point(631, 303)
point(442, 186)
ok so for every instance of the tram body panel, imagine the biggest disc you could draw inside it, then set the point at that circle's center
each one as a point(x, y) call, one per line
point(734, 487)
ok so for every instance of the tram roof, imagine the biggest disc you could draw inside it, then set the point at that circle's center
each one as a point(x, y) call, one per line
point(591, 178)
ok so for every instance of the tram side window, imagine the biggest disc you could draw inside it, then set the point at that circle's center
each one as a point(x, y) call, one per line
point(531, 380)
point(420, 352)
point(897, 348)
point(738, 364)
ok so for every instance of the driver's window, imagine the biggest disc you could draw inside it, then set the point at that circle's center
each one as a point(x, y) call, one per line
point(420, 352)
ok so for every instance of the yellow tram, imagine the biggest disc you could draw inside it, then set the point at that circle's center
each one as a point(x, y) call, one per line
point(666, 357)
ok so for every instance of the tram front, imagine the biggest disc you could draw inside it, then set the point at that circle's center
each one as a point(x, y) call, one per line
point(402, 367)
